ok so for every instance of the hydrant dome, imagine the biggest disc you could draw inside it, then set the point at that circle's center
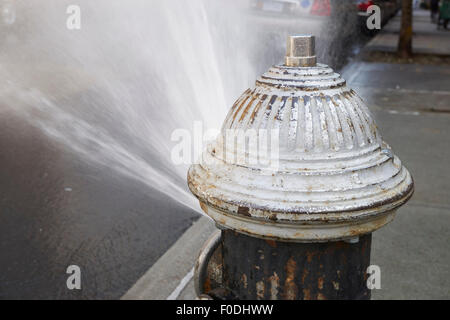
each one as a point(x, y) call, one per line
point(334, 177)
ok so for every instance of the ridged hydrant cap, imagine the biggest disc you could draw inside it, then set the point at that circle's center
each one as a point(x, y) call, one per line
point(334, 177)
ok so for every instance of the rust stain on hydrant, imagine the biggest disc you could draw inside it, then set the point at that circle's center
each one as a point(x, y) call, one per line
point(274, 285)
point(290, 285)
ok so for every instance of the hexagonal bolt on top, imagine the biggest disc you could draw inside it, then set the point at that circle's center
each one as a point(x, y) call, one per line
point(300, 51)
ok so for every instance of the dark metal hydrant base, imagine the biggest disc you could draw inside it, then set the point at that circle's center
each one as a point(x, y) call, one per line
point(254, 268)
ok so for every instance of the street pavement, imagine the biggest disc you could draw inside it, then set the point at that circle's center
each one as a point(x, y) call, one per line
point(413, 251)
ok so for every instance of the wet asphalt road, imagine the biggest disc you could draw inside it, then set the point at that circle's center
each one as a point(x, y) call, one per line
point(57, 210)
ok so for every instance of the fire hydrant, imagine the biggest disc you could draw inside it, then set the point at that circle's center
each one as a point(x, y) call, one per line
point(297, 225)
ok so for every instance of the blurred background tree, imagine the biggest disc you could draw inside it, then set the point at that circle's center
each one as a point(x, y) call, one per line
point(405, 39)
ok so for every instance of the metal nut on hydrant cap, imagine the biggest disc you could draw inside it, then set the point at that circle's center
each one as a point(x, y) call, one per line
point(335, 178)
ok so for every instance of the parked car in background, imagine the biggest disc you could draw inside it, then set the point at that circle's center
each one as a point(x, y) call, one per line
point(325, 7)
point(276, 6)
point(297, 7)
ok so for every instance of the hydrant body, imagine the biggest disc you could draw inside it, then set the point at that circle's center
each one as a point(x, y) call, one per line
point(297, 181)
point(273, 270)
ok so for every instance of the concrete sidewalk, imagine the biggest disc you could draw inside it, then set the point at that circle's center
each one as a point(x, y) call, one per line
point(411, 104)
point(427, 39)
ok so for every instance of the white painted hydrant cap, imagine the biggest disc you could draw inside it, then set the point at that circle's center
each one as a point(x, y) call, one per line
point(335, 178)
